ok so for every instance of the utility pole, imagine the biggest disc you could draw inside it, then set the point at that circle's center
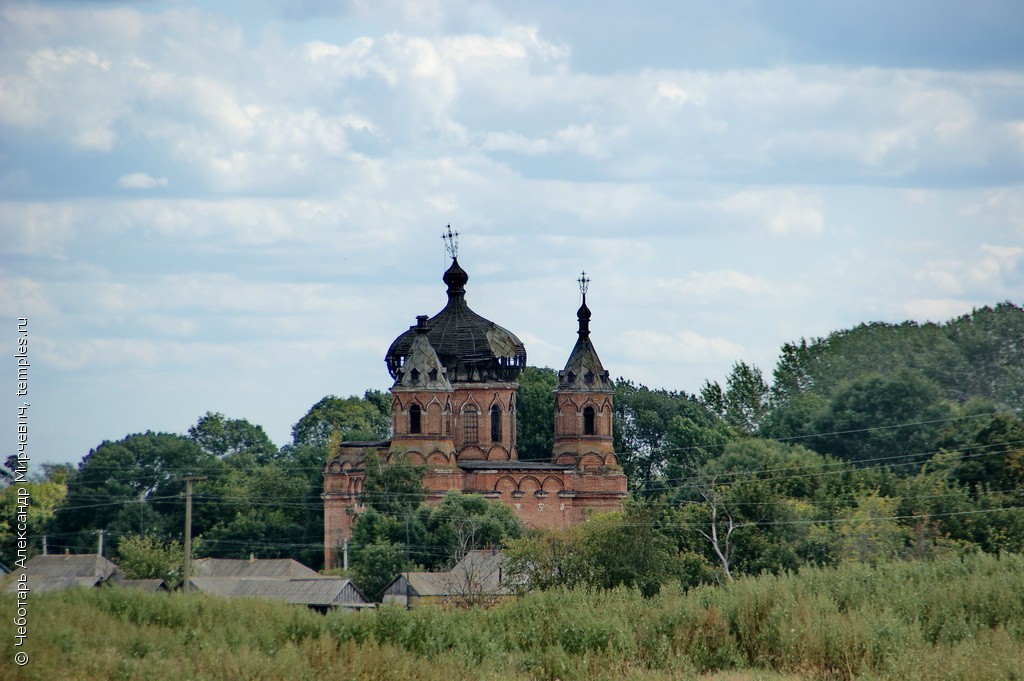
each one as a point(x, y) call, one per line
point(100, 549)
point(44, 544)
point(344, 555)
point(185, 587)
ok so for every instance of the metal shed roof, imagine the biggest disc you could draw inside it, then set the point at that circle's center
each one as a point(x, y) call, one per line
point(76, 565)
point(319, 590)
point(256, 567)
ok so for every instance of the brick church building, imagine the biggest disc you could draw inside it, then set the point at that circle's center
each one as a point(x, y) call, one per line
point(454, 411)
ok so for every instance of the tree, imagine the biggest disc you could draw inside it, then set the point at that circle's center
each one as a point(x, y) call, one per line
point(547, 560)
point(893, 418)
point(44, 498)
point(133, 482)
point(261, 511)
point(146, 557)
point(870, 533)
point(366, 418)
point(720, 523)
point(978, 354)
point(609, 550)
point(791, 377)
point(224, 437)
point(464, 522)
point(746, 398)
point(650, 440)
point(625, 549)
point(395, 488)
point(377, 564)
point(535, 405)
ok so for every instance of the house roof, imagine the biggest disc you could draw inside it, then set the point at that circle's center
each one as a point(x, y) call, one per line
point(64, 566)
point(41, 583)
point(430, 583)
point(318, 590)
point(480, 571)
point(218, 586)
point(256, 567)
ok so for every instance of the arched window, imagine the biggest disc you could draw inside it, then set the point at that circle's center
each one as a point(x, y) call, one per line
point(470, 425)
point(588, 421)
point(414, 418)
point(495, 423)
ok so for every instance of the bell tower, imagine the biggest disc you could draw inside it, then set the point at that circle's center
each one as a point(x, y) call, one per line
point(583, 401)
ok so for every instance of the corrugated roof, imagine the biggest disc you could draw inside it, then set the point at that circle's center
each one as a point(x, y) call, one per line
point(258, 567)
point(218, 586)
point(430, 583)
point(42, 583)
point(78, 565)
point(320, 590)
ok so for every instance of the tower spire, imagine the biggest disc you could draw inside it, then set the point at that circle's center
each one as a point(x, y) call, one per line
point(583, 314)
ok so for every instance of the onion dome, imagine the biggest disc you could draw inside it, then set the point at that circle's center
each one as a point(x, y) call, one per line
point(584, 371)
point(471, 348)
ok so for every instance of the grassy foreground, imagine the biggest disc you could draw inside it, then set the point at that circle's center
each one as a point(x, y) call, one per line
point(951, 619)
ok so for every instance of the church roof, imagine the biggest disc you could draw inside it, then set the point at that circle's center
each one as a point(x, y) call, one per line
point(584, 371)
point(471, 348)
point(422, 368)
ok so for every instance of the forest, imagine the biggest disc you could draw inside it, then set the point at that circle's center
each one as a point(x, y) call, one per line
point(877, 443)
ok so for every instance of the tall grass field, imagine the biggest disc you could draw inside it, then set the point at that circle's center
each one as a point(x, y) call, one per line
point(960, 618)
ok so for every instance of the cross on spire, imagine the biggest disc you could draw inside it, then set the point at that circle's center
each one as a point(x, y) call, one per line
point(584, 282)
point(451, 242)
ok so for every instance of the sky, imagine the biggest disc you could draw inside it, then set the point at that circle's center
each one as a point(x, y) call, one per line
point(236, 206)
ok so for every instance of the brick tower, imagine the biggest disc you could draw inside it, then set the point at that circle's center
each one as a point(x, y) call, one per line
point(583, 401)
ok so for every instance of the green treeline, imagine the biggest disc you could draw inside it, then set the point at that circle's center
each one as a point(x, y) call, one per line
point(855, 621)
point(878, 442)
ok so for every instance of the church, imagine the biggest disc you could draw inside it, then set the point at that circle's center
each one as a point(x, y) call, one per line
point(454, 411)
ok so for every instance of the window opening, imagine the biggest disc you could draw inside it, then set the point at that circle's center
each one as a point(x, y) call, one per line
point(495, 423)
point(471, 426)
point(588, 421)
point(414, 418)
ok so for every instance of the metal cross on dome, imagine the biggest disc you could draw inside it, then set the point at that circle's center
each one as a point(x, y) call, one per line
point(584, 282)
point(451, 242)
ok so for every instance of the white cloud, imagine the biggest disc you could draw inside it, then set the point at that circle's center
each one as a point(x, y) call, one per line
point(782, 212)
point(22, 297)
point(936, 310)
point(675, 348)
point(718, 284)
point(141, 181)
